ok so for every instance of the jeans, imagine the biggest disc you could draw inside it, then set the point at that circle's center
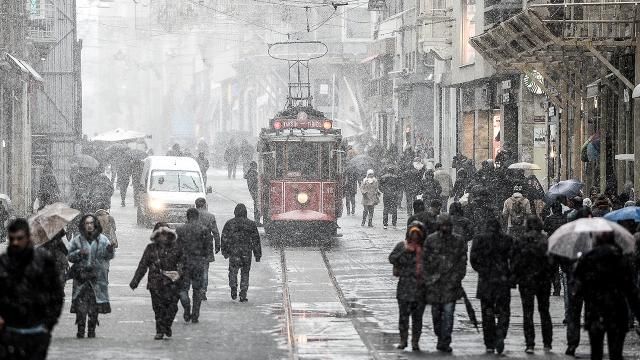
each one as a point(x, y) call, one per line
point(495, 318)
point(415, 311)
point(615, 340)
point(367, 214)
point(528, 297)
point(231, 169)
point(390, 206)
point(410, 195)
point(256, 207)
point(24, 347)
point(192, 278)
point(165, 308)
point(442, 316)
point(242, 264)
point(350, 203)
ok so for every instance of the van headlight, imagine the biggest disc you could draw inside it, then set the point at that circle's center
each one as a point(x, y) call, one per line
point(302, 198)
point(156, 205)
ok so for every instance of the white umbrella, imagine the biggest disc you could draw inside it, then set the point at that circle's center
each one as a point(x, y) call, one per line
point(525, 166)
point(577, 237)
point(118, 134)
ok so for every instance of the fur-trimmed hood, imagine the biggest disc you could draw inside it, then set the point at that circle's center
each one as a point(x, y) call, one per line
point(164, 230)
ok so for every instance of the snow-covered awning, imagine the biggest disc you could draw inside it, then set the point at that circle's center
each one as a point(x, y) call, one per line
point(119, 135)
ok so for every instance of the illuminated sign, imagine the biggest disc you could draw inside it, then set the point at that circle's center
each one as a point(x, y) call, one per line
point(301, 122)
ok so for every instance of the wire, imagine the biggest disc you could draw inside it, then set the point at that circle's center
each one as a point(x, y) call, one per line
point(237, 18)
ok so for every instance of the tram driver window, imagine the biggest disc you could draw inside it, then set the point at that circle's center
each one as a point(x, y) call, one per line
point(302, 160)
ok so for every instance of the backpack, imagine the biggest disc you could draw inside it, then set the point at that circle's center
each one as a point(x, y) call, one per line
point(517, 213)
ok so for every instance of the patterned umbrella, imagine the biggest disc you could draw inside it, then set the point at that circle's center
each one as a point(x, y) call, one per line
point(48, 222)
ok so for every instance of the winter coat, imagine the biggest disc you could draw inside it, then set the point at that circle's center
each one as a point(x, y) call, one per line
point(445, 265)
point(601, 207)
point(532, 267)
point(553, 223)
point(491, 257)
point(30, 291)
point(389, 184)
point(58, 249)
point(404, 261)
point(510, 205)
point(157, 258)
point(479, 213)
point(604, 278)
point(252, 181)
point(431, 190)
point(240, 237)
point(231, 154)
point(462, 227)
point(49, 191)
point(203, 163)
point(412, 181)
point(196, 243)
point(370, 190)
point(351, 182)
point(427, 218)
point(100, 253)
point(444, 179)
point(209, 221)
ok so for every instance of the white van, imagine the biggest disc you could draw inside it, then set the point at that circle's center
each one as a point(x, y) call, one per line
point(170, 185)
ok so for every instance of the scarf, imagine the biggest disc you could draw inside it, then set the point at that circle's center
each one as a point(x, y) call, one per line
point(418, 165)
point(413, 244)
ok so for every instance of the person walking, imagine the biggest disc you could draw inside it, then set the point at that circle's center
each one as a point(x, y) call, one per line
point(407, 260)
point(49, 192)
point(101, 191)
point(251, 175)
point(462, 182)
point(231, 156)
point(445, 265)
point(461, 225)
point(240, 240)
point(551, 224)
point(124, 175)
point(90, 252)
point(196, 243)
point(58, 249)
point(350, 189)
point(604, 278)
point(137, 168)
point(203, 163)
point(443, 178)
point(31, 296)
point(108, 224)
point(413, 182)
point(389, 183)
point(533, 272)
point(246, 154)
point(370, 197)
point(514, 212)
point(208, 220)
point(162, 258)
point(491, 257)
point(431, 189)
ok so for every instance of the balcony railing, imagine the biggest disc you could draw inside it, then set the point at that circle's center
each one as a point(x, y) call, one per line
point(41, 26)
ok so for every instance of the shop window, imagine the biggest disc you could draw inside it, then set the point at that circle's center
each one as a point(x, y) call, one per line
point(468, 54)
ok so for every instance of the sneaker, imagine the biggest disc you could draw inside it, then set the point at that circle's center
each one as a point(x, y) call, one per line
point(401, 346)
point(244, 299)
point(529, 350)
point(159, 336)
point(571, 350)
point(547, 348)
point(385, 227)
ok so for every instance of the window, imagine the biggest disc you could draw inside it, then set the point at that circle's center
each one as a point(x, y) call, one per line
point(326, 162)
point(297, 160)
point(175, 181)
point(468, 55)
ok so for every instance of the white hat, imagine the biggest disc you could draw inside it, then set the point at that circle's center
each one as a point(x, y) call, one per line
point(369, 172)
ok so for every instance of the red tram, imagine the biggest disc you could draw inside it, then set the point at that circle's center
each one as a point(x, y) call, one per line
point(300, 169)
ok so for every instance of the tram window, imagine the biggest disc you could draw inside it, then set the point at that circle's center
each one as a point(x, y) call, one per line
point(302, 160)
point(326, 162)
point(280, 162)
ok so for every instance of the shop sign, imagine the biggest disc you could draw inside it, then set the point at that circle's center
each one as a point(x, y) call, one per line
point(539, 137)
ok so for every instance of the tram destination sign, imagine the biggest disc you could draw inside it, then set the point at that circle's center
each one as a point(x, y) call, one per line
point(301, 123)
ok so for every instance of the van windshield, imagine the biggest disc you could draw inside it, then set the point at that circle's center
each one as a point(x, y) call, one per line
point(175, 181)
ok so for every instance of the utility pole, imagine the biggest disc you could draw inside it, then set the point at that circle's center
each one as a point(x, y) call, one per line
point(636, 112)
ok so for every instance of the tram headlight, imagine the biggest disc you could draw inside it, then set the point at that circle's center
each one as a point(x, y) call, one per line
point(327, 125)
point(277, 125)
point(302, 198)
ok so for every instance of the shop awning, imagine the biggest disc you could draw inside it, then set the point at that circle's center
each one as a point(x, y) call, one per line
point(24, 67)
point(118, 134)
point(369, 59)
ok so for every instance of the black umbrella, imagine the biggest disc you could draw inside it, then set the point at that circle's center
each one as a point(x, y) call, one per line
point(361, 163)
point(470, 311)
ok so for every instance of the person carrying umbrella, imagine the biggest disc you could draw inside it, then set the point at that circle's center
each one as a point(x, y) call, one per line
point(370, 197)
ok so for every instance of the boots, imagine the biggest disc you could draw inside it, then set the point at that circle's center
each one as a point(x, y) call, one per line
point(404, 336)
point(93, 322)
point(81, 328)
point(415, 342)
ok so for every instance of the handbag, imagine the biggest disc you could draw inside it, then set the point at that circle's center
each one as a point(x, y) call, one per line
point(169, 274)
point(82, 273)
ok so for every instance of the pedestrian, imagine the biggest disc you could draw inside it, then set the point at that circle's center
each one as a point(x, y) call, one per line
point(108, 224)
point(90, 252)
point(443, 178)
point(424, 216)
point(533, 272)
point(350, 189)
point(462, 182)
point(175, 150)
point(231, 156)
point(604, 278)
point(58, 250)
point(137, 168)
point(370, 197)
point(389, 183)
point(240, 240)
point(491, 257)
point(445, 265)
point(551, 224)
point(251, 175)
point(413, 182)
point(461, 225)
point(407, 261)
point(124, 176)
point(49, 192)
point(31, 296)
point(431, 189)
point(601, 206)
point(203, 163)
point(196, 243)
point(246, 154)
point(101, 191)
point(481, 208)
point(163, 259)
point(208, 220)
point(515, 211)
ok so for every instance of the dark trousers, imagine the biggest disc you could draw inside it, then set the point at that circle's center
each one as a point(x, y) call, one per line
point(555, 281)
point(350, 200)
point(444, 200)
point(24, 347)
point(575, 314)
point(413, 310)
point(442, 316)
point(528, 297)
point(165, 308)
point(615, 340)
point(231, 169)
point(81, 321)
point(123, 191)
point(410, 195)
point(242, 264)
point(495, 318)
point(390, 206)
point(367, 214)
point(256, 207)
point(192, 278)
point(205, 278)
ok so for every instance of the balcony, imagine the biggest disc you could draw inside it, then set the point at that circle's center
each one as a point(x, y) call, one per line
point(41, 24)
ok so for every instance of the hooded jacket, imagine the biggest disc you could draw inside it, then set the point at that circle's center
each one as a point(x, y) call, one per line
point(240, 237)
point(159, 257)
point(510, 203)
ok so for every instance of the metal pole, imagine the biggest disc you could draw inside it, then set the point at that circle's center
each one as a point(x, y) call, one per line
point(636, 114)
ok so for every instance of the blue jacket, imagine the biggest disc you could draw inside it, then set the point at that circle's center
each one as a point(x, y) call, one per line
point(99, 256)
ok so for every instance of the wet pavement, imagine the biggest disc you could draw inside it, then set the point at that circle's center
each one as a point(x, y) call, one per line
point(340, 304)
